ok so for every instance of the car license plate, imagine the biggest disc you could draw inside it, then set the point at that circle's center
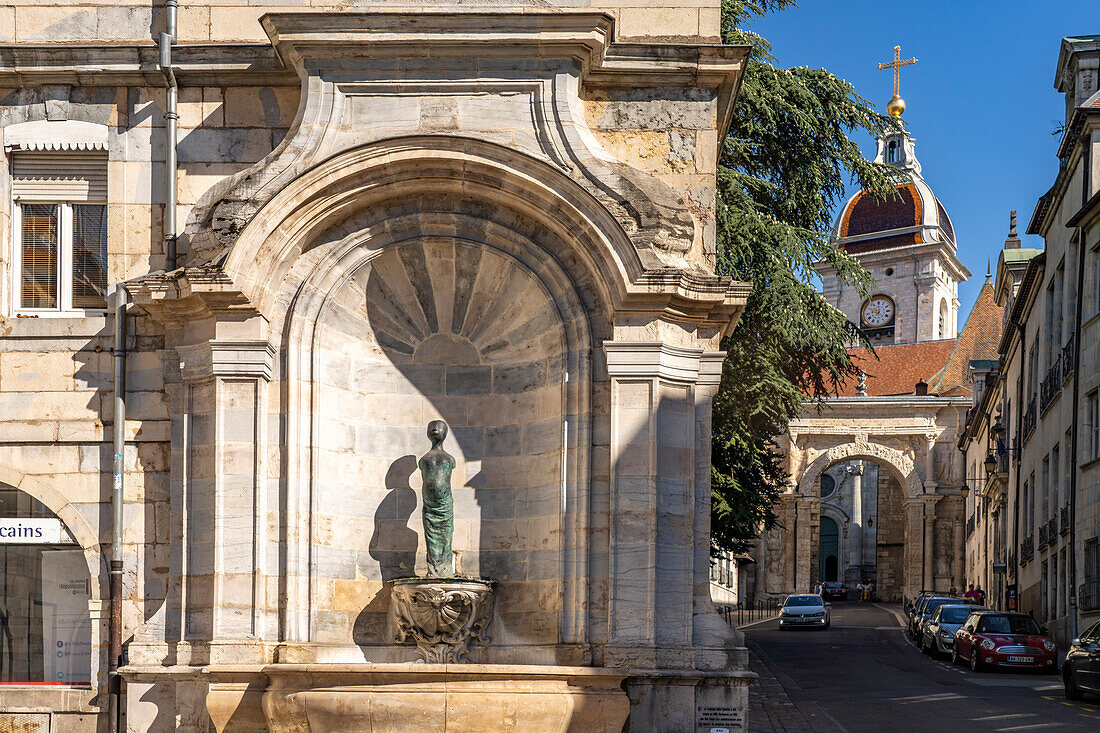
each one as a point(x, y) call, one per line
point(1021, 659)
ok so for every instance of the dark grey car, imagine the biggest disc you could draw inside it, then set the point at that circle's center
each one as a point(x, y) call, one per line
point(1081, 671)
point(938, 632)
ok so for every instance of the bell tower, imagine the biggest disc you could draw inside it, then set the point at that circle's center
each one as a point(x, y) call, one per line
point(906, 242)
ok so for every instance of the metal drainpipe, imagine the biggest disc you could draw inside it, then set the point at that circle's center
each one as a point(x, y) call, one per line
point(171, 118)
point(1086, 187)
point(114, 650)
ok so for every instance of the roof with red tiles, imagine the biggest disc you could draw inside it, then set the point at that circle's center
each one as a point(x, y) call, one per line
point(867, 214)
point(979, 340)
point(896, 369)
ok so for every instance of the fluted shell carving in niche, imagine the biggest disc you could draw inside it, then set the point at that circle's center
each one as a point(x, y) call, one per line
point(446, 302)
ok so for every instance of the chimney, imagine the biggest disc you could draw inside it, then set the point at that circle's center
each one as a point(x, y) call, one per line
point(922, 388)
point(1013, 241)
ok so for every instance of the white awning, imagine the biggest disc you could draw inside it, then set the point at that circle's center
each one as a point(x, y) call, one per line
point(61, 135)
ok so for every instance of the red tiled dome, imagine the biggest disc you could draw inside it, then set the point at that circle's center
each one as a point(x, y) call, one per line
point(867, 214)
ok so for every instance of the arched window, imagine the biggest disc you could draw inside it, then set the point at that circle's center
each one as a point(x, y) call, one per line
point(892, 152)
point(45, 627)
point(828, 485)
point(943, 320)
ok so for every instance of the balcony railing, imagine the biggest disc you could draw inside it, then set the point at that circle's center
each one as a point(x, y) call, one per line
point(1051, 386)
point(1027, 549)
point(1065, 519)
point(970, 526)
point(1088, 596)
point(1042, 535)
point(1052, 530)
point(1002, 463)
point(1029, 417)
point(1068, 364)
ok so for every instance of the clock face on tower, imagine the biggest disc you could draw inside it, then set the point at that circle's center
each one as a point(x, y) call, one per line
point(878, 311)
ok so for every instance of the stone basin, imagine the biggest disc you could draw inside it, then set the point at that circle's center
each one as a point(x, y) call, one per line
point(408, 697)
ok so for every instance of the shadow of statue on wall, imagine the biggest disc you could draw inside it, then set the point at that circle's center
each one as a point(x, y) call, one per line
point(394, 543)
point(393, 546)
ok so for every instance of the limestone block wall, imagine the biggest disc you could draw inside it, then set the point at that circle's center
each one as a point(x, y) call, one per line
point(463, 334)
point(35, 21)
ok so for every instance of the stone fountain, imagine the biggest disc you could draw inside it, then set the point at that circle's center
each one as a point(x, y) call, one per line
point(443, 614)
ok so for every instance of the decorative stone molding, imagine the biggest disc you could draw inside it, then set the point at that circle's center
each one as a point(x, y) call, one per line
point(226, 359)
point(350, 62)
point(442, 616)
point(900, 463)
point(656, 360)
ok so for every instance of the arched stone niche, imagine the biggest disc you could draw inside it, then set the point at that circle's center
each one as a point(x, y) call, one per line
point(441, 306)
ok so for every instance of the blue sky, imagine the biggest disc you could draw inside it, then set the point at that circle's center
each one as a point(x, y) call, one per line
point(981, 103)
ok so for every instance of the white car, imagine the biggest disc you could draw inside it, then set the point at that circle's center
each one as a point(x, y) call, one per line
point(805, 610)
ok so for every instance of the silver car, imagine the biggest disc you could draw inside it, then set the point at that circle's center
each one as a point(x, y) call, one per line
point(805, 610)
point(938, 632)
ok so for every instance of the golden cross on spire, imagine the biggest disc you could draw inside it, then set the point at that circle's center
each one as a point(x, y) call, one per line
point(896, 65)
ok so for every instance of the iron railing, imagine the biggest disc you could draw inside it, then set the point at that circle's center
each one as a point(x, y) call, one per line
point(1029, 417)
point(1002, 463)
point(1051, 386)
point(1027, 549)
point(1042, 535)
point(970, 525)
point(1068, 363)
point(745, 612)
point(1052, 530)
point(1088, 595)
point(1065, 519)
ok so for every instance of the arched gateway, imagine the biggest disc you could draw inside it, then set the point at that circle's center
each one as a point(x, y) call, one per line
point(544, 299)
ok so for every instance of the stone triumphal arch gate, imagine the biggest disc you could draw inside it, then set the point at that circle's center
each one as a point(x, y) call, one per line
point(884, 471)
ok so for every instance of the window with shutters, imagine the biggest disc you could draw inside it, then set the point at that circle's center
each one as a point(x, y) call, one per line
point(60, 232)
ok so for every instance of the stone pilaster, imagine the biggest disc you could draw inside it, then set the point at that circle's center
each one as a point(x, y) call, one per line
point(222, 498)
point(660, 416)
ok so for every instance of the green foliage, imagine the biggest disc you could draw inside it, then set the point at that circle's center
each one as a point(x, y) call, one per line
point(784, 166)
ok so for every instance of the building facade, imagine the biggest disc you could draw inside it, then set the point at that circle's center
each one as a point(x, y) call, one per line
point(1039, 430)
point(332, 227)
point(875, 476)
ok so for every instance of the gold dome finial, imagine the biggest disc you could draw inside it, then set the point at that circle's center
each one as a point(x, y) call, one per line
point(896, 106)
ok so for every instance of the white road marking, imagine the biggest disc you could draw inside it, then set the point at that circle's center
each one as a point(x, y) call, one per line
point(1033, 727)
point(1006, 717)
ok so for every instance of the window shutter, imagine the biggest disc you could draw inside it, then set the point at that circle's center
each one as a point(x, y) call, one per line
point(69, 176)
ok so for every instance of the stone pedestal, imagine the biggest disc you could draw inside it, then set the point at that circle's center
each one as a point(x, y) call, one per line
point(442, 616)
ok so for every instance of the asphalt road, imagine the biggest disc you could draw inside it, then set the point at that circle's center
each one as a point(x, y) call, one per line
point(863, 674)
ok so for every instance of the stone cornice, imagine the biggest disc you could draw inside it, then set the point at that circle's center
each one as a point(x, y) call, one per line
point(657, 360)
point(188, 294)
point(249, 64)
point(219, 358)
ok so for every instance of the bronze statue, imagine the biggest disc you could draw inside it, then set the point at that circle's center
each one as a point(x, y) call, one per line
point(439, 522)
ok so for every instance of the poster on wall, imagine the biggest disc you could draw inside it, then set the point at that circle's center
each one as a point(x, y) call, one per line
point(66, 627)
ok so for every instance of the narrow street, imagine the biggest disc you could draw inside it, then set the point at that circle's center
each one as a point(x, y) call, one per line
point(864, 674)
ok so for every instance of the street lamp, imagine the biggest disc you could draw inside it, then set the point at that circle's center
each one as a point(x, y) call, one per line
point(990, 463)
point(965, 491)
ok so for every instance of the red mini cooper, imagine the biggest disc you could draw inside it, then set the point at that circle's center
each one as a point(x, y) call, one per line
point(1012, 640)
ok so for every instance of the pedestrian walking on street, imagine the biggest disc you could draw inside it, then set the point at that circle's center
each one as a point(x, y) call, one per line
point(979, 596)
point(970, 595)
point(859, 590)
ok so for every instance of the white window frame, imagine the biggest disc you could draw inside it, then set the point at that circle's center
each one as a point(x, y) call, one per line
point(64, 307)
